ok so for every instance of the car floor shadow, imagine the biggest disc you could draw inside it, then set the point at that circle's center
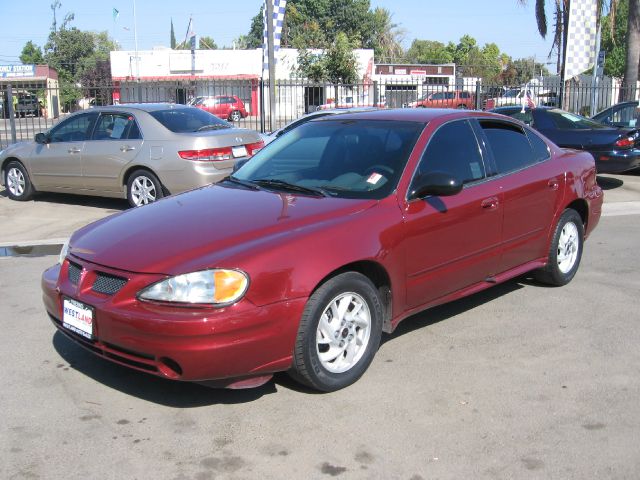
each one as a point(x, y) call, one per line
point(115, 204)
point(608, 183)
point(445, 311)
point(169, 393)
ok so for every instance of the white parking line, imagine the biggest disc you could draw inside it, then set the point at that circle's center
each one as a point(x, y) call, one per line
point(620, 208)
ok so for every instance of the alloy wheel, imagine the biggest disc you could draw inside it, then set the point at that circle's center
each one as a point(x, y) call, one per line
point(143, 191)
point(16, 181)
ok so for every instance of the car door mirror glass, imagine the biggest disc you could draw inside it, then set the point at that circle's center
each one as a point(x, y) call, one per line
point(41, 138)
point(436, 183)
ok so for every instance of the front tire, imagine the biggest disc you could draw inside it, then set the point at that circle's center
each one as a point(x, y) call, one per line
point(565, 251)
point(143, 188)
point(339, 333)
point(17, 182)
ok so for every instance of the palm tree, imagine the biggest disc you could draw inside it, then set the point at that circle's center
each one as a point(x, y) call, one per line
point(633, 52)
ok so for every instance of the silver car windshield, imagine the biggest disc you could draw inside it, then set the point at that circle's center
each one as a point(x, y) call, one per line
point(342, 158)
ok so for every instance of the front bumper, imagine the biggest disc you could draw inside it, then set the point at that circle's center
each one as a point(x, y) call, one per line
point(181, 343)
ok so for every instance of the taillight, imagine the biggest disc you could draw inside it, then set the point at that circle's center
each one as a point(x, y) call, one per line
point(626, 142)
point(254, 148)
point(207, 155)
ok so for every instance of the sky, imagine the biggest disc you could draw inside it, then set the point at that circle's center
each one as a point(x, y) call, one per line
point(507, 23)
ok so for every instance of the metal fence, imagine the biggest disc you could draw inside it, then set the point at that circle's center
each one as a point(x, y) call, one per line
point(24, 112)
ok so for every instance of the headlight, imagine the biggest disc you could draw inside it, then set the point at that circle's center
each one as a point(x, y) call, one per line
point(214, 287)
point(63, 252)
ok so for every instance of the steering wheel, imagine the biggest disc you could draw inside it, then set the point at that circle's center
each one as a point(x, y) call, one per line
point(377, 168)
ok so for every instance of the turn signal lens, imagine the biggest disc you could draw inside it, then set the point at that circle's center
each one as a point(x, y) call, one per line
point(207, 155)
point(212, 287)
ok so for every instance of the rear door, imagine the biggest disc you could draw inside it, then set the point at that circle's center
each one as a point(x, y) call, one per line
point(452, 242)
point(59, 162)
point(531, 186)
point(115, 143)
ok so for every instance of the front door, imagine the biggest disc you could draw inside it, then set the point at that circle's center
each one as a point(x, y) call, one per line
point(452, 242)
point(58, 164)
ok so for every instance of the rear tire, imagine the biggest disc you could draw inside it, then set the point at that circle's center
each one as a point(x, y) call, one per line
point(565, 251)
point(235, 116)
point(143, 187)
point(339, 333)
point(17, 182)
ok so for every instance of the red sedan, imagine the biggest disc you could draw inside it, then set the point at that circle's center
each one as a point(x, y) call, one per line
point(328, 237)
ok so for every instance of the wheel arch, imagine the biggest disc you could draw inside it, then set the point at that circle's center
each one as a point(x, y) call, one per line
point(380, 278)
point(580, 206)
point(133, 168)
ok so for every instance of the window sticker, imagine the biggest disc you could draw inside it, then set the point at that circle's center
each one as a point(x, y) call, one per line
point(374, 178)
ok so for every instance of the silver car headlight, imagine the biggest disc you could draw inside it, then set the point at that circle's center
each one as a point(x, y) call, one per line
point(213, 287)
point(63, 252)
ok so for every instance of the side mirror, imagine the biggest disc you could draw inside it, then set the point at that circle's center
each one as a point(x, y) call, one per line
point(41, 138)
point(440, 184)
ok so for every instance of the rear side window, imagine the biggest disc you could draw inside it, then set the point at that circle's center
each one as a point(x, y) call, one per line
point(509, 144)
point(453, 149)
point(540, 149)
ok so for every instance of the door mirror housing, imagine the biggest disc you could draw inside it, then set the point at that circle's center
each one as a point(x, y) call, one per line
point(439, 184)
point(42, 138)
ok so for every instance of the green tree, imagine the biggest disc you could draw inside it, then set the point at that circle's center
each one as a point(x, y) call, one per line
point(338, 64)
point(31, 53)
point(429, 51)
point(207, 43)
point(632, 62)
point(172, 38)
point(614, 32)
point(386, 36)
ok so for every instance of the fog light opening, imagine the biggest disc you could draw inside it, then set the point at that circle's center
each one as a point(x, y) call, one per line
point(170, 368)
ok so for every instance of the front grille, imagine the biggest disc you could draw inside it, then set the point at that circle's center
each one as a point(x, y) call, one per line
point(108, 284)
point(74, 273)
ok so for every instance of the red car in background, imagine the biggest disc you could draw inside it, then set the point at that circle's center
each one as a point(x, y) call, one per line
point(227, 107)
point(328, 237)
point(455, 99)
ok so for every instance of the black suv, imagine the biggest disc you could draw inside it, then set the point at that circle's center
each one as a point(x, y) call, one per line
point(28, 106)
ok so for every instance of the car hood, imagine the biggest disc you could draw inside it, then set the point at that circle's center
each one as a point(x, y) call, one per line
point(186, 231)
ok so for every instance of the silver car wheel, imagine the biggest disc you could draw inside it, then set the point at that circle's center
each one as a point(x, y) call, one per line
point(16, 181)
point(143, 191)
point(343, 332)
point(568, 245)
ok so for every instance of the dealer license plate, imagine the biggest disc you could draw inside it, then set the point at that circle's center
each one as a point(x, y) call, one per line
point(77, 317)
point(240, 151)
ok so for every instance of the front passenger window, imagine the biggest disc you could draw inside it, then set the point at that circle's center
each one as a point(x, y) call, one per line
point(453, 149)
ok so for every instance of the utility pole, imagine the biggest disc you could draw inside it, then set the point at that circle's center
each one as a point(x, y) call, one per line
point(272, 66)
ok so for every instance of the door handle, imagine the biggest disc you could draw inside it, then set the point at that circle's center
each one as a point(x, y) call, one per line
point(553, 184)
point(74, 150)
point(490, 203)
point(126, 148)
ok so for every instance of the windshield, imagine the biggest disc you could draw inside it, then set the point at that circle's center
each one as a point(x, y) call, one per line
point(341, 158)
point(183, 120)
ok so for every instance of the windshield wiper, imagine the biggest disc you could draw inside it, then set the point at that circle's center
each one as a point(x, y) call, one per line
point(217, 126)
point(292, 187)
point(244, 183)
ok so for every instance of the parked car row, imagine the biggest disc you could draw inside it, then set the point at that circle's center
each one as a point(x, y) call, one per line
point(328, 237)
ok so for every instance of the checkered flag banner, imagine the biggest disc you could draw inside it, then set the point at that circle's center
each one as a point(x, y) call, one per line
point(581, 37)
point(279, 7)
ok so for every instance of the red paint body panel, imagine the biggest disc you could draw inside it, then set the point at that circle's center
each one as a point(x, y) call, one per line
point(431, 250)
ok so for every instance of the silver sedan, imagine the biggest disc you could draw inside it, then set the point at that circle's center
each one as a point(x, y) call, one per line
point(141, 152)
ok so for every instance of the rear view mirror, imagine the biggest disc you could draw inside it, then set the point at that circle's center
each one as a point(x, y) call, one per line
point(435, 183)
point(41, 138)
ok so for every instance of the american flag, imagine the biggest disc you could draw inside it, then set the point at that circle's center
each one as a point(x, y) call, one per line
point(279, 7)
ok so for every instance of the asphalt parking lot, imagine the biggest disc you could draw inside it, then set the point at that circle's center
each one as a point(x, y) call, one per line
point(519, 381)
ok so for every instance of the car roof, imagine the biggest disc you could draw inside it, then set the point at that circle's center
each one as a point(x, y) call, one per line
point(422, 115)
point(145, 107)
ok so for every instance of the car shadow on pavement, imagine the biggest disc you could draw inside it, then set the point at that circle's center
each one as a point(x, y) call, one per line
point(148, 387)
point(608, 183)
point(445, 311)
point(115, 204)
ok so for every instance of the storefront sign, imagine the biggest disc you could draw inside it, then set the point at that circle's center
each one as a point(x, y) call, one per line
point(17, 71)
